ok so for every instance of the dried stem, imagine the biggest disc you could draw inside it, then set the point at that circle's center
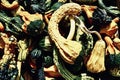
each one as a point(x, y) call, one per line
point(84, 29)
point(72, 28)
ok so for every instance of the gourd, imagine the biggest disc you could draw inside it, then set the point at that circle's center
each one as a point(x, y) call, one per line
point(65, 73)
point(35, 27)
point(61, 67)
point(11, 24)
point(67, 51)
point(23, 49)
point(95, 63)
point(112, 57)
point(23, 53)
point(9, 5)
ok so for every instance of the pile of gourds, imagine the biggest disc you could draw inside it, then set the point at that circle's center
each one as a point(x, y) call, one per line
point(61, 40)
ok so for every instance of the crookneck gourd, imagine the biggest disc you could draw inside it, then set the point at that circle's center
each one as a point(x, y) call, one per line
point(69, 49)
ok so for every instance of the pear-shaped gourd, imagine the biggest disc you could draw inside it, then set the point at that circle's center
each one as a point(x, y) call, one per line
point(96, 61)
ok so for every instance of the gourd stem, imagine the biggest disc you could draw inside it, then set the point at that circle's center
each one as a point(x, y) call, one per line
point(95, 32)
point(72, 28)
point(83, 28)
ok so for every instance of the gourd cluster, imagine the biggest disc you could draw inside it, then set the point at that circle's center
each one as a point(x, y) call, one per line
point(59, 40)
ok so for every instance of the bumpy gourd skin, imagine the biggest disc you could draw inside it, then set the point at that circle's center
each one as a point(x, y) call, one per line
point(68, 52)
